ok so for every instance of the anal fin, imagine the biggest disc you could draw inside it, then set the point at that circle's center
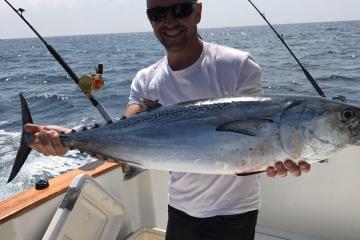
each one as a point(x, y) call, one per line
point(130, 172)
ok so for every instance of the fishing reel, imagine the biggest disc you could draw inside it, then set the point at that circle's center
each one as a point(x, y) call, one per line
point(92, 82)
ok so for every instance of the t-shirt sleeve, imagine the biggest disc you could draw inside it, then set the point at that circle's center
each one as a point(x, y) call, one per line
point(137, 89)
point(250, 78)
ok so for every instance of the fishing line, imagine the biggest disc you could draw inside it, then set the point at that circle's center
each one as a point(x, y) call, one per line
point(307, 74)
point(87, 79)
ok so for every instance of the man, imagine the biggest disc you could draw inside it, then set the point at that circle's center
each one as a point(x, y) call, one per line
point(200, 206)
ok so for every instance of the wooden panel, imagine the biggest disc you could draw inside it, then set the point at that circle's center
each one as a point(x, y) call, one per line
point(29, 199)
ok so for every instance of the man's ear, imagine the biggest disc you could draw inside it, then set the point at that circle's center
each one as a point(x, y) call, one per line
point(198, 12)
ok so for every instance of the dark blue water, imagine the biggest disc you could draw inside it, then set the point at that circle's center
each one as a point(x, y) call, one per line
point(329, 51)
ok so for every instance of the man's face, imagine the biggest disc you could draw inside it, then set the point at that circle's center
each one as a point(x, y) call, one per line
point(175, 33)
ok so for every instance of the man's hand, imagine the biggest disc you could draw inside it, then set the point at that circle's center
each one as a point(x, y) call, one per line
point(282, 168)
point(45, 139)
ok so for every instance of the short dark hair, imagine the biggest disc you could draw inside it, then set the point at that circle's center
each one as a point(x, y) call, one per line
point(147, 2)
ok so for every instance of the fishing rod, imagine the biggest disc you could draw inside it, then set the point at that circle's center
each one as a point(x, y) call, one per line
point(307, 74)
point(86, 83)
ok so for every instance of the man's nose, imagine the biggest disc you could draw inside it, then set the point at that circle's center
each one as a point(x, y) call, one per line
point(170, 20)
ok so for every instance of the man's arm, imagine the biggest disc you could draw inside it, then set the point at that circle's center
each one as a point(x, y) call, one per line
point(45, 139)
point(134, 109)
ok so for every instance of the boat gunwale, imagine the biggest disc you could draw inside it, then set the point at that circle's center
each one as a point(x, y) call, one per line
point(31, 198)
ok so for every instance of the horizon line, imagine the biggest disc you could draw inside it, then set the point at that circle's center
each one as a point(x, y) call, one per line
point(202, 28)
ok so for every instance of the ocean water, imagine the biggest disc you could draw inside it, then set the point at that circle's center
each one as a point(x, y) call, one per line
point(329, 51)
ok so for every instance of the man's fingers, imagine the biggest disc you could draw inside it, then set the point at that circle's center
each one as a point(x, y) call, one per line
point(33, 128)
point(58, 129)
point(271, 172)
point(293, 168)
point(48, 143)
point(58, 147)
point(280, 169)
point(304, 167)
point(45, 142)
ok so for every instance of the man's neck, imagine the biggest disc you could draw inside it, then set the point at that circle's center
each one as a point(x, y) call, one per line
point(179, 60)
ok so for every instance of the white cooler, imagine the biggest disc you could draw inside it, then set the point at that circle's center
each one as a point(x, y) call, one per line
point(87, 212)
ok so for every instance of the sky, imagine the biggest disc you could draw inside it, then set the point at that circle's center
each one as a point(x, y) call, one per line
point(78, 17)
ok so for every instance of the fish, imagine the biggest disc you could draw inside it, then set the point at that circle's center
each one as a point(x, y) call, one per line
point(239, 135)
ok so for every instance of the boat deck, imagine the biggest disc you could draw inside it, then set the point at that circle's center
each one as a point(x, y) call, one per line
point(263, 236)
point(282, 236)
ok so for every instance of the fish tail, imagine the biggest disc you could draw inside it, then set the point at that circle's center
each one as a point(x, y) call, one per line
point(24, 150)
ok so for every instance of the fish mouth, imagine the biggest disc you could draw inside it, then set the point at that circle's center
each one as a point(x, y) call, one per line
point(354, 129)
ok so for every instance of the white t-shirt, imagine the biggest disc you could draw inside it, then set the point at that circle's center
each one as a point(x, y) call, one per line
point(220, 71)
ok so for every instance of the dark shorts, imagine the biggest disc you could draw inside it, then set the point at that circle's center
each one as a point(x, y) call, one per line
point(228, 227)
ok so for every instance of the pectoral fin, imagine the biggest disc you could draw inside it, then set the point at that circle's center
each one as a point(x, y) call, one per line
point(248, 127)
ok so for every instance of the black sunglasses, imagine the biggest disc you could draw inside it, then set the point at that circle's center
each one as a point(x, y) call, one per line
point(179, 10)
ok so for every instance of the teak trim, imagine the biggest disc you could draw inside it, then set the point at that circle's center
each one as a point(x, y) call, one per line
point(31, 198)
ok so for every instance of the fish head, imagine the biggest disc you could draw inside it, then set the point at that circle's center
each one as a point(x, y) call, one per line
point(316, 128)
point(331, 126)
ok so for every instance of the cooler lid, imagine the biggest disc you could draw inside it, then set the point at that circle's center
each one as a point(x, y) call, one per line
point(87, 211)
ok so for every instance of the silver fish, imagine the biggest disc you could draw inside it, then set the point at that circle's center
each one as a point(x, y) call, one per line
point(233, 135)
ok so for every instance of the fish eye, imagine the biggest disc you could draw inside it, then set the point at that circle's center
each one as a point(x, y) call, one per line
point(348, 114)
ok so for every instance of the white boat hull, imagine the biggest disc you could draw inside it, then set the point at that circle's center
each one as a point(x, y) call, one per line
point(323, 204)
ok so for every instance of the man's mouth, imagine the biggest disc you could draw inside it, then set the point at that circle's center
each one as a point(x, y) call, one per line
point(173, 32)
